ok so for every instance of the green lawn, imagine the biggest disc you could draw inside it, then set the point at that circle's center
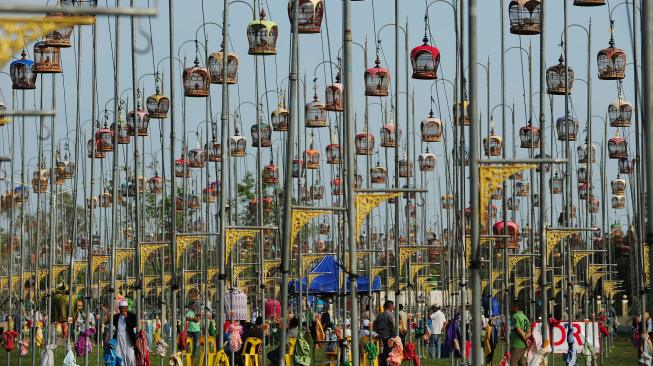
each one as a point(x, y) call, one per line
point(622, 353)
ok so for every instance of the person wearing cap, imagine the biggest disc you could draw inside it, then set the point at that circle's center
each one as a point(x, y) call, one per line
point(125, 324)
point(366, 330)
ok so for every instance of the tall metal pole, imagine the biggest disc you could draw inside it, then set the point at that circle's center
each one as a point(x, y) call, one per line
point(542, 192)
point(287, 190)
point(475, 263)
point(647, 83)
point(137, 219)
point(397, 154)
point(568, 172)
point(590, 149)
point(173, 186)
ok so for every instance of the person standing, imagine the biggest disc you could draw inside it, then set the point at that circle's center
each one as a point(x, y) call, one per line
point(519, 335)
point(125, 323)
point(403, 323)
point(384, 326)
point(437, 322)
point(193, 321)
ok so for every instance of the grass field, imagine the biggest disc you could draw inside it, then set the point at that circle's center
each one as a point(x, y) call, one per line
point(622, 353)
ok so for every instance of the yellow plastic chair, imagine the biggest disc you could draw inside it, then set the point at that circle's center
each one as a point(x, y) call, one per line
point(221, 358)
point(251, 351)
point(188, 352)
point(364, 360)
point(290, 355)
point(211, 352)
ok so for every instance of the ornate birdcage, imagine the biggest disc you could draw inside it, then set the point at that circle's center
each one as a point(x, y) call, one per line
point(518, 176)
point(555, 79)
point(425, 60)
point(364, 143)
point(265, 134)
point(216, 72)
point(620, 113)
point(378, 174)
point(406, 168)
point(270, 174)
point(586, 154)
point(158, 104)
point(324, 228)
point(298, 168)
point(106, 199)
point(315, 114)
point(138, 121)
point(377, 80)
point(626, 166)
point(123, 131)
point(336, 186)
point(317, 191)
point(182, 168)
point(197, 157)
point(47, 59)
point(92, 151)
point(155, 184)
point(262, 36)
point(237, 145)
point(617, 148)
point(611, 61)
point(40, 180)
point(589, 2)
point(334, 98)
point(618, 186)
point(194, 202)
point(529, 136)
point(497, 192)
point(567, 128)
point(213, 151)
point(556, 183)
point(427, 161)
point(502, 227)
point(595, 205)
point(525, 17)
point(512, 204)
point(310, 14)
point(279, 117)
point(584, 191)
point(312, 158)
point(388, 138)
point(215, 187)
point(618, 201)
point(59, 38)
point(65, 169)
point(461, 113)
point(492, 144)
point(522, 189)
point(92, 203)
point(104, 140)
point(582, 174)
point(22, 73)
point(431, 129)
point(333, 153)
point(197, 81)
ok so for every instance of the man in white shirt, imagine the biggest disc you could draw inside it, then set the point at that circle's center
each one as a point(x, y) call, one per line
point(437, 322)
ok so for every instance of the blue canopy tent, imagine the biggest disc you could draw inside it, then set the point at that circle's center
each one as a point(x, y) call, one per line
point(327, 283)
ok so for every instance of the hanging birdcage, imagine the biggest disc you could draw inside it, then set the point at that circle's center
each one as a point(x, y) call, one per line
point(336, 186)
point(500, 228)
point(215, 63)
point(431, 129)
point(237, 145)
point(555, 79)
point(213, 151)
point(529, 136)
point(406, 168)
point(59, 38)
point(106, 199)
point(298, 168)
point(334, 98)
point(157, 105)
point(279, 117)
point(626, 166)
point(324, 228)
point(586, 154)
point(182, 168)
point(497, 193)
point(104, 140)
point(65, 169)
point(315, 114)
point(525, 17)
point(333, 153)
point(556, 183)
point(618, 186)
point(155, 184)
point(617, 148)
point(270, 174)
point(364, 143)
point(197, 158)
point(378, 174)
point(312, 158)
point(493, 144)
point(47, 59)
point(92, 151)
point(620, 113)
point(512, 204)
point(461, 113)
point(427, 161)
point(317, 191)
point(618, 201)
point(310, 13)
point(40, 180)
point(215, 187)
point(194, 202)
point(92, 203)
point(377, 80)
point(567, 128)
point(262, 36)
point(522, 189)
point(197, 81)
point(22, 73)
point(265, 136)
point(425, 60)
point(123, 131)
point(584, 191)
point(611, 62)
point(138, 121)
point(595, 205)
point(582, 174)
point(388, 138)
